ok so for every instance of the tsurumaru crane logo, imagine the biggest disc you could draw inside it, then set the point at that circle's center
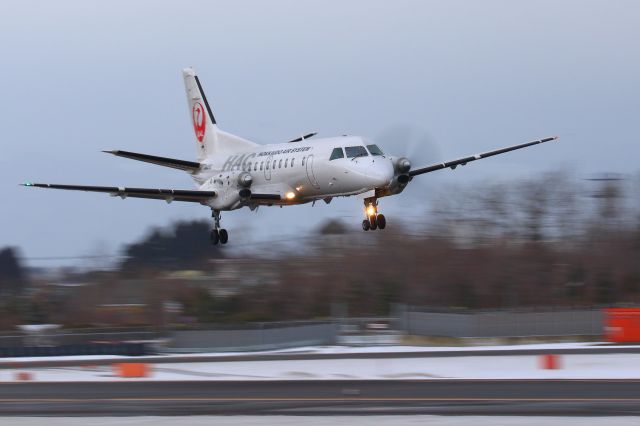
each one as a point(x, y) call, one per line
point(199, 122)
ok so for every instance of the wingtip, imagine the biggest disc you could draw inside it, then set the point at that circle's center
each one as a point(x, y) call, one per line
point(188, 72)
point(549, 139)
point(113, 151)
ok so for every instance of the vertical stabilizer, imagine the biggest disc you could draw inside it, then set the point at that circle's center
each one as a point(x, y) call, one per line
point(210, 140)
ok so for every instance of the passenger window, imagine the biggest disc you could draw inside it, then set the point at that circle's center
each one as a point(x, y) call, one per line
point(336, 153)
point(374, 150)
point(356, 151)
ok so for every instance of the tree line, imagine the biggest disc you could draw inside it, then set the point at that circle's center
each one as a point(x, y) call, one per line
point(549, 241)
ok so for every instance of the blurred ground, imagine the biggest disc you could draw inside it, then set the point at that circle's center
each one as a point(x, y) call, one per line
point(318, 421)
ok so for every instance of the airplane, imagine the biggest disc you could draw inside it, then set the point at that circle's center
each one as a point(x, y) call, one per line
point(232, 172)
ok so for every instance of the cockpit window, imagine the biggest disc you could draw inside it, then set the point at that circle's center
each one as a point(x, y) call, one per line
point(336, 153)
point(356, 151)
point(374, 150)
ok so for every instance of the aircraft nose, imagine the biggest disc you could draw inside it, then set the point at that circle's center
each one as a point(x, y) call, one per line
point(380, 172)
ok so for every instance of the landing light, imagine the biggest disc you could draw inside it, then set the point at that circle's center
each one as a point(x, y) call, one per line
point(290, 195)
point(371, 210)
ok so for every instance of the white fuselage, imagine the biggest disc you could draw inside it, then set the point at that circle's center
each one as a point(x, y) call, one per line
point(299, 172)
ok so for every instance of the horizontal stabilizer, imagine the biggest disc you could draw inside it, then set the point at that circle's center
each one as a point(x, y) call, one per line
point(303, 137)
point(187, 166)
point(153, 193)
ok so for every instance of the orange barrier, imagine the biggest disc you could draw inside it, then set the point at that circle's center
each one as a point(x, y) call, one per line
point(132, 369)
point(23, 376)
point(622, 325)
point(550, 362)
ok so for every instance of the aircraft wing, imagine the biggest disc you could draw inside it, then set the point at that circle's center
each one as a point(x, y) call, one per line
point(168, 195)
point(463, 161)
point(265, 197)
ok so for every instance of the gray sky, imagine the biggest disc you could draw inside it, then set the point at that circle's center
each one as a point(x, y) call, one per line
point(80, 77)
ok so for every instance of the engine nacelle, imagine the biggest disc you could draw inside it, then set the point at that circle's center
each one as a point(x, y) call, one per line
point(244, 194)
point(401, 167)
point(403, 179)
point(245, 179)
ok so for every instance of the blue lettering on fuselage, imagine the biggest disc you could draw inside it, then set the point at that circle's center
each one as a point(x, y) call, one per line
point(238, 162)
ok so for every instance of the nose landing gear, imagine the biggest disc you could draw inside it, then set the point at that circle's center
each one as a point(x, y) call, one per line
point(218, 235)
point(374, 220)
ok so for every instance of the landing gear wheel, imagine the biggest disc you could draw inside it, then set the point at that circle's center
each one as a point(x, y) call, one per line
point(373, 223)
point(224, 236)
point(215, 237)
point(365, 225)
point(382, 221)
point(218, 235)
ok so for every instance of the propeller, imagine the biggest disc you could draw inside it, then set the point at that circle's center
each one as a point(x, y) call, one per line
point(409, 141)
point(411, 146)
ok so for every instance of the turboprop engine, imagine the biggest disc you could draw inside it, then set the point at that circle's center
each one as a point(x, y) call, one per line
point(401, 178)
point(245, 180)
point(402, 166)
point(232, 190)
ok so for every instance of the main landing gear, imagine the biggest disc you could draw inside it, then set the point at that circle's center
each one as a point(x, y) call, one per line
point(374, 220)
point(218, 235)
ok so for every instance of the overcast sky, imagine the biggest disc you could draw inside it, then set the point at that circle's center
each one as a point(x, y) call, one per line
point(464, 76)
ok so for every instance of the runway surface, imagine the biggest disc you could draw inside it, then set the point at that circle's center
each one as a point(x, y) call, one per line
point(459, 397)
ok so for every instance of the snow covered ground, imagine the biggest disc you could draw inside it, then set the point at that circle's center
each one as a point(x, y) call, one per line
point(332, 350)
point(588, 366)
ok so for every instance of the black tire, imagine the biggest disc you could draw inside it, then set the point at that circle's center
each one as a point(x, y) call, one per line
point(365, 225)
point(224, 236)
point(214, 236)
point(382, 221)
point(373, 223)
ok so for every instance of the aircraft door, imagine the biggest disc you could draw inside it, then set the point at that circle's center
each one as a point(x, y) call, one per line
point(310, 175)
point(267, 167)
